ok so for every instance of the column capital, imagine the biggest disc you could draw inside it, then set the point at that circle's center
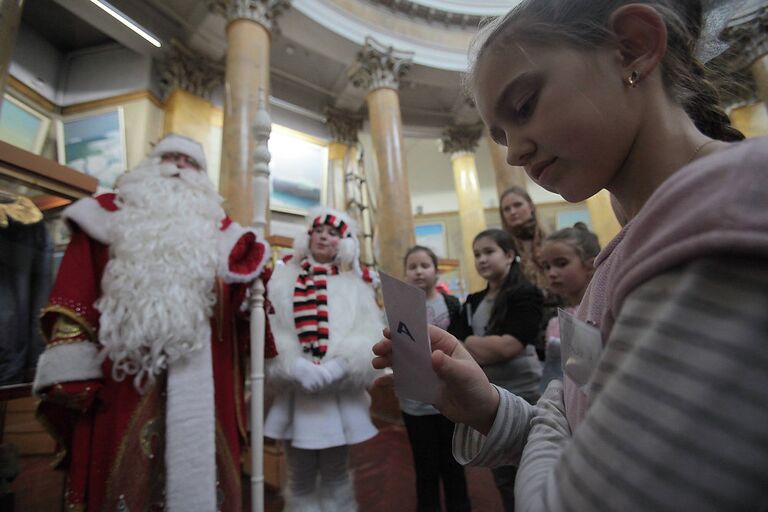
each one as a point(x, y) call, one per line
point(458, 138)
point(188, 70)
point(263, 12)
point(747, 33)
point(379, 66)
point(343, 125)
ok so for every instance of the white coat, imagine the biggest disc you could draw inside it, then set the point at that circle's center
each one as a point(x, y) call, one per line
point(338, 415)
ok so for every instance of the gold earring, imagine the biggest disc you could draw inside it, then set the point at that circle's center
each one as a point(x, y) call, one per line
point(633, 79)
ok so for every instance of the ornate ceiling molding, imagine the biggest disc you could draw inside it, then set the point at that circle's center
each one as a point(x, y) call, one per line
point(432, 46)
point(379, 66)
point(263, 12)
point(477, 7)
point(460, 138)
point(343, 125)
point(431, 14)
point(188, 70)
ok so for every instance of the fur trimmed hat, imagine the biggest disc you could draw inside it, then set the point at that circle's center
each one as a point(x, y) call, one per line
point(175, 143)
point(349, 247)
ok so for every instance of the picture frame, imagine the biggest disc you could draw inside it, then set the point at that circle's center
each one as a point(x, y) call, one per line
point(94, 143)
point(432, 235)
point(298, 171)
point(566, 219)
point(22, 125)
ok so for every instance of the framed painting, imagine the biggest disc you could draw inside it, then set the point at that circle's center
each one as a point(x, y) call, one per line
point(22, 126)
point(298, 170)
point(432, 236)
point(567, 219)
point(94, 143)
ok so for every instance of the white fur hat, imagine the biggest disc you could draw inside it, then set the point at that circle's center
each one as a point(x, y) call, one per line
point(349, 247)
point(175, 143)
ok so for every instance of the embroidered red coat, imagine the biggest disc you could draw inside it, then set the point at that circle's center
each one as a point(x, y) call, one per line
point(111, 438)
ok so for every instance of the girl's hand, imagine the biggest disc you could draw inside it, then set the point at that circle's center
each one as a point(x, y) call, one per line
point(464, 393)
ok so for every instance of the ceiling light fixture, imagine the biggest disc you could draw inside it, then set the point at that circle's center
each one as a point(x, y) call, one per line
point(122, 18)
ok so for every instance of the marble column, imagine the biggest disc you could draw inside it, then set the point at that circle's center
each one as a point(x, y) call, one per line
point(246, 79)
point(10, 17)
point(342, 152)
point(460, 141)
point(506, 175)
point(378, 70)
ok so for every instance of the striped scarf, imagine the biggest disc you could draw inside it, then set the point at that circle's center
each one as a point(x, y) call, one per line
point(310, 307)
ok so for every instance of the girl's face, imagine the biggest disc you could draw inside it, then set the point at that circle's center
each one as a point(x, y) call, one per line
point(515, 209)
point(420, 271)
point(491, 262)
point(564, 115)
point(567, 273)
point(324, 243)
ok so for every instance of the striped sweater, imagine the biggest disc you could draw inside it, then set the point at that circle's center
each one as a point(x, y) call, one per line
point(679, 407)
point(678, 404)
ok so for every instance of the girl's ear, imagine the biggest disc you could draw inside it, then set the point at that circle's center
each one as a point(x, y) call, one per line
point(642, 37)
point(590, 265)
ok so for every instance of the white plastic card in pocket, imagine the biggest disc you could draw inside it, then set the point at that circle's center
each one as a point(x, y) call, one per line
point(411, 349)
point(580, 345)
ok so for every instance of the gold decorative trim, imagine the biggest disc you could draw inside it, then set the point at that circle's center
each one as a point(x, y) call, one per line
point(72, 315)
point(66, 329)
point(24, 90)
point(22, 210)
point(151, 429)
point(114, 100)
point(67, 342)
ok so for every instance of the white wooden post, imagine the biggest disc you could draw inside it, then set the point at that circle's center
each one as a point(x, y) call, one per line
point(262, 128)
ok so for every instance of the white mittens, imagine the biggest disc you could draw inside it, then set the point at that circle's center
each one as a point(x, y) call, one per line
point(337, 369)
point(315, 377)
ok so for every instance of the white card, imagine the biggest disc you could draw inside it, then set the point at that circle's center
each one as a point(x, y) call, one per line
point(580, 346)
point(411, 349)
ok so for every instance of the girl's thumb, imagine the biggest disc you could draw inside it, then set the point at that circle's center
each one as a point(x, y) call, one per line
point(443, 365)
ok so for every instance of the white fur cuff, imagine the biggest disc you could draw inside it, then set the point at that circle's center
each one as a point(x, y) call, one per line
point(68, 362)
point(91, 217)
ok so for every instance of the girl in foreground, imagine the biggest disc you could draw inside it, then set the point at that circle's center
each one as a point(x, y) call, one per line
point(589, 95)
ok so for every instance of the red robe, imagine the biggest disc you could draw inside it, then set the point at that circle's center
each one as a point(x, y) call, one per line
point(111, 437)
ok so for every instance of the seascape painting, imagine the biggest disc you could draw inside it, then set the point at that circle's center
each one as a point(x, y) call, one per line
point(298, 170)
point(22, 126)
point(94, 144)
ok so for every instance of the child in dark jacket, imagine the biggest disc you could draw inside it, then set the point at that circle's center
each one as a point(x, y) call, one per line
point(499, 327)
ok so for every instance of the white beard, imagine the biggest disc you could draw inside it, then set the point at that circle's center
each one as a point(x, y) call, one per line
point(158, 286)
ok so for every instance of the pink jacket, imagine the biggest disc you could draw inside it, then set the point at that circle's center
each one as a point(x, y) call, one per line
point(715, 206)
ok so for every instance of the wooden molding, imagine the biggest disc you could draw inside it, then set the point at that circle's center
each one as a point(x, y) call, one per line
point(43, 172)
point(33, 96)
point(280, 241)
point(113, 100)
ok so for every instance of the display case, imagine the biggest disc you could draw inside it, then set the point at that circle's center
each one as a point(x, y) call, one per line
point(33, 192)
